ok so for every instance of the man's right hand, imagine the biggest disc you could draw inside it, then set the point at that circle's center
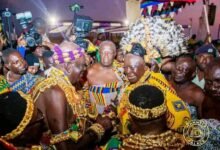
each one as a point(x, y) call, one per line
point(105, 122)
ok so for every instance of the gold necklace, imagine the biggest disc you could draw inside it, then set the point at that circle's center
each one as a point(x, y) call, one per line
point(167, 140)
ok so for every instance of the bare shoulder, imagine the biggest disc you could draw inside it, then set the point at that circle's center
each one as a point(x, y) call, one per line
point(198, 93)
point(55, 94)
point(93, 69)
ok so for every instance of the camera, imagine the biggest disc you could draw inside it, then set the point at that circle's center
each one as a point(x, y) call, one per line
point(30, 34)
point(83, 25)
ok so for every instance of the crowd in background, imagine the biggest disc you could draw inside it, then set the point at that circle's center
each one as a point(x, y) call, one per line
point(107, 97)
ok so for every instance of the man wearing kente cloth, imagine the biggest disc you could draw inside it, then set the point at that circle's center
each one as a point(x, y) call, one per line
point(54, 96)
point(23, 124)
point(17, 75)
point(147, 116)
point(104, 79)
point(149, 39)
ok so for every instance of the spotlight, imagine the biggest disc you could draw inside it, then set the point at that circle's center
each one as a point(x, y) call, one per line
point(126, 22)
point(53, 20)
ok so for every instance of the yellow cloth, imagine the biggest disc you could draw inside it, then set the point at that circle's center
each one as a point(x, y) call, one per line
point(91, 47)
point(177, 114)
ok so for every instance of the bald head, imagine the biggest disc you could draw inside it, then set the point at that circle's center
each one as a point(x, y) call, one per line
point(189, 60)
point(184, 70)
point(214, 65)
point(108, 43)
point(107, 50)
point(212, 69)
point(212, 78)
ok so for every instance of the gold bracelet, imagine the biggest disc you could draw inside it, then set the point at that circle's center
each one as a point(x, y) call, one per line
point(73, 135)
point(98, 129)
point(36, 147)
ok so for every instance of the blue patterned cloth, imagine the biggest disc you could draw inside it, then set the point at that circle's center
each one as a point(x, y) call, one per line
point(25, 83)
point(213, 142)
point(193, 111)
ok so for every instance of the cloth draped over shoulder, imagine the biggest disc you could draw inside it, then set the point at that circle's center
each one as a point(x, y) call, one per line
point(103, 95)
point(177, 115)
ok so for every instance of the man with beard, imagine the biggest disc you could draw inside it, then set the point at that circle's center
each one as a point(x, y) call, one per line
point(104, 79)
point(182, 75)
point(204, 55)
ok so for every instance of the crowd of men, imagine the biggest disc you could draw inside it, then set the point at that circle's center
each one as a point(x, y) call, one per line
point(138, 96)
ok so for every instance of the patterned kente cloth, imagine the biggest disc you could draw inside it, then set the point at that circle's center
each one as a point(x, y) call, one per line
point(4, 86)
point(213, 142)
point(56, 73)
point(178, 112)
point(193, 111)
point(25, 83)
point(56, 77)
point(104, 95)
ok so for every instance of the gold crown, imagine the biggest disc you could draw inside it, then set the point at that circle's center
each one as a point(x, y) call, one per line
point(146, 113)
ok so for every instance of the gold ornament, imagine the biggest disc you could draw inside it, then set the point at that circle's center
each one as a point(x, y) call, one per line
point(98, 129)
point(73, 99)
point(140, 112)
point(64, 136)
point(146, 113)
point(167, 140)
point(25, 121)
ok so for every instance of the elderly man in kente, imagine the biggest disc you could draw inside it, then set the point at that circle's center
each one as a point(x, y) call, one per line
point(26, 122)
point(147, 115)
point(150, 38)
point(105, 80)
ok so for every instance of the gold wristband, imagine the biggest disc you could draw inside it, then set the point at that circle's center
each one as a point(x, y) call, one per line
point(73, 135)
point(98, 129)
point(36, 147)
